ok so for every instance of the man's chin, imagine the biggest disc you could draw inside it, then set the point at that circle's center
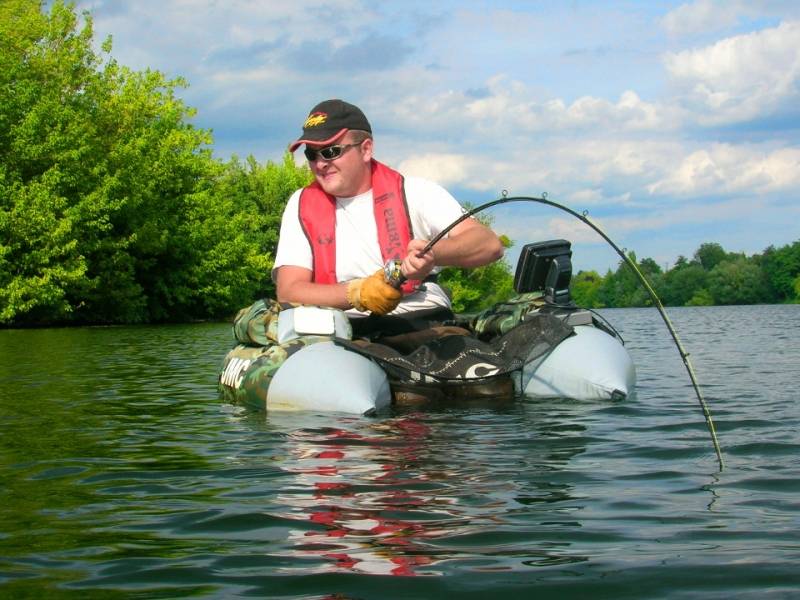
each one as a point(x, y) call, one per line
point(329, 186)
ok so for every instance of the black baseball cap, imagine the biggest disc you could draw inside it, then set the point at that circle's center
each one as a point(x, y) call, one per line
point(329, 120)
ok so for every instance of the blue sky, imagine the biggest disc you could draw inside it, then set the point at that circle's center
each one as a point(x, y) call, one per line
point(671, 123)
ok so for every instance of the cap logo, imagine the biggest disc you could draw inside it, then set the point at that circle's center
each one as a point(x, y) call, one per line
point(315, 119)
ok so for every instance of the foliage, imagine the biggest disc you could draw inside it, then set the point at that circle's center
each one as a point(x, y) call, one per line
point(98, 155)
point(623, 288)
point(585, 289)
point(112, 208)
point(714, 276)
point(682, 283)
point(709, 255)
point(236, 230)
point(701, 297)
point(782, 267)
point(472, 290)
point(737, 281)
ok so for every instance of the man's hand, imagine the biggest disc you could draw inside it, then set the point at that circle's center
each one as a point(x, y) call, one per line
point(417, 265)
point(373, 294)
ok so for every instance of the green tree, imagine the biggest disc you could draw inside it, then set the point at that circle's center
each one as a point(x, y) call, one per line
point(623, 288)
point(709, 255)
point(39, 255)
point(472, 290)
point(701, 297)
point(585, 289)
point(732, 279)
point(782, 267)
point(236, 227)
point(737, 281)
point(112, 207)
point(39, 258)
point(682, 282)
point(99, 172)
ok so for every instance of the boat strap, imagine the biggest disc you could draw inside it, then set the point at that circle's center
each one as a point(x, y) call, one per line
point(455, 356)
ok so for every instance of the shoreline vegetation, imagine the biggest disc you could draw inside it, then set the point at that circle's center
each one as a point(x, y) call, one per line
point(114, 211)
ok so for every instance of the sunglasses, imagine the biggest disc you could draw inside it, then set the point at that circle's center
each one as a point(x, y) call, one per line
point(329, 152)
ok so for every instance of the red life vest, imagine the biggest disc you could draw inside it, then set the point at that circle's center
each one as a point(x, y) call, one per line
point(317, 213)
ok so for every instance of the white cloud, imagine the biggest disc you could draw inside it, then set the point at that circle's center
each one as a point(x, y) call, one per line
point(444, 169)
point(741, 77)
point(564, 167)
point(709, 16)
point(629, 112)
point(202, 38)
point(728, 169)
point(585, 197)
point(574, 230)
point(701, 16)
point(510, 111)
point(528, 226)
point(608, 172)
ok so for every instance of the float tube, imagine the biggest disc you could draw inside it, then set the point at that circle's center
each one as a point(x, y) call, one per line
point(538, 344)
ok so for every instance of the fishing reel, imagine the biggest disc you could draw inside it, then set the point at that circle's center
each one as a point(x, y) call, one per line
point(392, 273)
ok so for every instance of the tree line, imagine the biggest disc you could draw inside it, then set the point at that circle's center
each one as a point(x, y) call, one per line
point(114, 210)
point(712, 276)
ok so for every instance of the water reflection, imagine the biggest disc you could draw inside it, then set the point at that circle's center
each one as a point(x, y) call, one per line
point(360, 487)
point(404, 494)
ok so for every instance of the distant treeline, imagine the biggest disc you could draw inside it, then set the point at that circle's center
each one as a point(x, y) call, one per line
point(712, 276)
point(114, 210)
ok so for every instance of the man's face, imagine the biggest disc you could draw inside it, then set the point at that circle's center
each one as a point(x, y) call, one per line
point(349, 174)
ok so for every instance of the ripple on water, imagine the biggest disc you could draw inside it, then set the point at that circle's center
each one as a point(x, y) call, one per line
point(126, 476)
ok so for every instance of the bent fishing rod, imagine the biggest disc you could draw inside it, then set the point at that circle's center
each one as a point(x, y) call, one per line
point(656, 301)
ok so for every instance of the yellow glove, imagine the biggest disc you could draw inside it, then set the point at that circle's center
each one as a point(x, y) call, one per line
point(373, 294)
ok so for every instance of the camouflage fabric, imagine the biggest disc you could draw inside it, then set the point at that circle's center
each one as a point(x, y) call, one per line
point(504, 316)
point(257, 325)
point(248, 370)
point(249, 367)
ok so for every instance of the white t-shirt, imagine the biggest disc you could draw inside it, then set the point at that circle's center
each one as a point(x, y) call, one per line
point(358, 254)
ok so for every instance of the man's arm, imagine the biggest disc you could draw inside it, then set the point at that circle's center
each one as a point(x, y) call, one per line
point(469, 244)
point(366, 294)
point(294, 284)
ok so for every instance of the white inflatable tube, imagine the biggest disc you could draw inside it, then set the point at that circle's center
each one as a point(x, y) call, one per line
point(328, 378)
point(591, 365)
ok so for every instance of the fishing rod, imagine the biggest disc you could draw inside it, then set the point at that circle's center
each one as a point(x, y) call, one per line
point(656, 301)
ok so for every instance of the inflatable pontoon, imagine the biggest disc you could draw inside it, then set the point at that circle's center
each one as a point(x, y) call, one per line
point(537, 344)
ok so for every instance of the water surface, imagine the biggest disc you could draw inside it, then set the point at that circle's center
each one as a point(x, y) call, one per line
point(124, 475)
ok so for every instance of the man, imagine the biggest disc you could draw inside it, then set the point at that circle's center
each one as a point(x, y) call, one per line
point(337, 233)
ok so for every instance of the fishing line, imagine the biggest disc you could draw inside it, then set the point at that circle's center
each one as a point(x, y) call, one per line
point(656, 301)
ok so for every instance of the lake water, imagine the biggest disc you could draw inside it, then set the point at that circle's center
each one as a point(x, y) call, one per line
point(123, 475)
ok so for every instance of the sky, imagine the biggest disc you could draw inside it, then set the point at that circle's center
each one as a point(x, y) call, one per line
point(672, 124)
